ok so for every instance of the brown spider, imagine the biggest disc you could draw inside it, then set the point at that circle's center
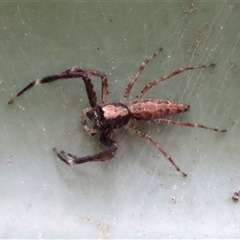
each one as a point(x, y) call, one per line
point(107, 117)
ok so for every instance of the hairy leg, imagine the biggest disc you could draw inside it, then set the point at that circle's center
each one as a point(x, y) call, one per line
point(136, 76)
point(188, 124)
point(73, 73)
point(157, 145)
point(102, 156)
point(159, 80)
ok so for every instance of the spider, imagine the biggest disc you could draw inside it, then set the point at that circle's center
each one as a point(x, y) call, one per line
point(107, 116)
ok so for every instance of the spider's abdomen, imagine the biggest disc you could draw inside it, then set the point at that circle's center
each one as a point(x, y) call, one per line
point(148, 109)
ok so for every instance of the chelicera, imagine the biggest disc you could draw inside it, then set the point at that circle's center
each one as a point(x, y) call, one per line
point(107, 116)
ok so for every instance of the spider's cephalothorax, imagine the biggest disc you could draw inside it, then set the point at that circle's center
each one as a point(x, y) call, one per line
point(109, 116)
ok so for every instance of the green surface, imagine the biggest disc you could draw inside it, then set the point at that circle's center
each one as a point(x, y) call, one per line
point(138, 194)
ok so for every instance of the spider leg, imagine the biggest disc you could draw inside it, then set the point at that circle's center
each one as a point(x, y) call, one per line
point(69, 73)
point(102, 156)
point(73, 73)
point(157, 145)
point(178, 71)
point(188, 124)
point(135, 77)
point(104, 81)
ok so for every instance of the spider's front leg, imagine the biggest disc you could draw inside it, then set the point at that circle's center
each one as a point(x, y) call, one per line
point(102, 156)
point(73, 72)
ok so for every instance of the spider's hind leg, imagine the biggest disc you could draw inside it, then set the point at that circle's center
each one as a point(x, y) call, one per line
point(157, 145)
point(187, 124)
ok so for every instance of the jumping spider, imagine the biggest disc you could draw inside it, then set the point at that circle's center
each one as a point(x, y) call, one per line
point(108, 116)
